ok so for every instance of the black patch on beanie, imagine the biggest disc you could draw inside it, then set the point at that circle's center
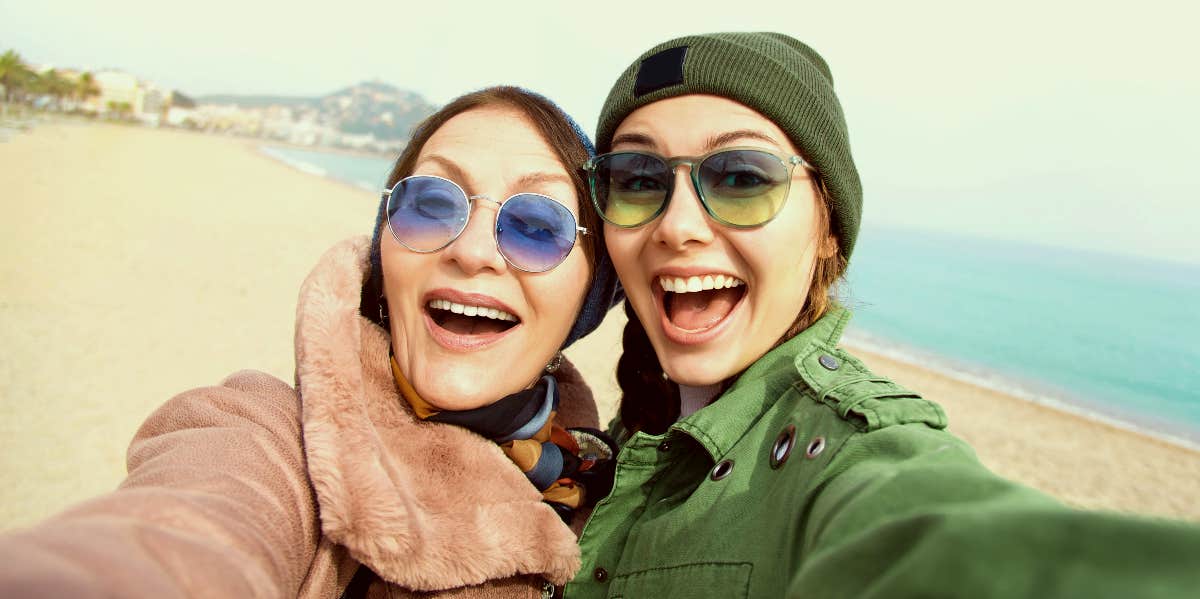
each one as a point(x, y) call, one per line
point(663, 69)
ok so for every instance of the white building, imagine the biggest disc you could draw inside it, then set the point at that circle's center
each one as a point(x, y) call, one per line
point(117, 89)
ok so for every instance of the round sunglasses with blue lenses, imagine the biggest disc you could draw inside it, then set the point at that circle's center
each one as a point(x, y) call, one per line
point(533, 232)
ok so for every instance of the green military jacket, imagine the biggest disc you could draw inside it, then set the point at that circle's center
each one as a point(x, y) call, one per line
point(813, 477)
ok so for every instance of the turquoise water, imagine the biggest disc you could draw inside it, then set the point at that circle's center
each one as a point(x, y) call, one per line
point(1110, 335)
point(363, 171)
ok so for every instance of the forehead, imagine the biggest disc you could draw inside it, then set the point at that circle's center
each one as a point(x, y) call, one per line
point(689, 124)
point(490, 143)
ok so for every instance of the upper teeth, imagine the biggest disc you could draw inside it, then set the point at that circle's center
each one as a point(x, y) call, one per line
point(704, 283)
point(465, 310)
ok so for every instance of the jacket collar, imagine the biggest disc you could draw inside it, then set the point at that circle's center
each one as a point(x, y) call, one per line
point(427, 506)
point(720, 425)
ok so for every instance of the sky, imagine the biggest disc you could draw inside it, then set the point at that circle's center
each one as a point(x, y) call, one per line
point(1063, 123)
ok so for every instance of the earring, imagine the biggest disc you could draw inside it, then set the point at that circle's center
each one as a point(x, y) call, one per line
point(383, 313)
point(555, 362)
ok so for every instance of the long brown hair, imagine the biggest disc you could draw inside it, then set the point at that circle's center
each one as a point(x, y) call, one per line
point(549, 122)
point(650, 402)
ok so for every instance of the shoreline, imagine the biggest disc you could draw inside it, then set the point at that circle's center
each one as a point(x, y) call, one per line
point(1085, 461)
point(268, 150)
point(323, 149)
point(1030, 391)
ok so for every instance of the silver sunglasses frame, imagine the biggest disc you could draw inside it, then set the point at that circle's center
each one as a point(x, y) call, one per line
point(386, 196)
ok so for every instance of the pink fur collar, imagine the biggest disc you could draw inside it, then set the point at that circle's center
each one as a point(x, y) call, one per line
point(426, 506)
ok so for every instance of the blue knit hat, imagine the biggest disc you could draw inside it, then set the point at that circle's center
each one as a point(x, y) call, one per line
point(604, 292)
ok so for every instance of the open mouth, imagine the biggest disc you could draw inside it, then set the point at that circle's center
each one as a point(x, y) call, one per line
point(698, 303)
point(466, 319)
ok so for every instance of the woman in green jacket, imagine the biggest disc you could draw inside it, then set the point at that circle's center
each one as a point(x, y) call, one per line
point(758, 459)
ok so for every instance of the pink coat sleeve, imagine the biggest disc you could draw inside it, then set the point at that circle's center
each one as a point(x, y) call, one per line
point(217, 504)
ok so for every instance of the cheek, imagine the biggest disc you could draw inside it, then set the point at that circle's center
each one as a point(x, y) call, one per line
point(782, 270)
point(624, 248)
point(393, 268)
point(557, 296)
point(403, 270)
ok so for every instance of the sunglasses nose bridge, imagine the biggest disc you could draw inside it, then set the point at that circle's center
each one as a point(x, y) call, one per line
point(486, 199)
point(472, 248)
point(674, 164)
point(689, 176)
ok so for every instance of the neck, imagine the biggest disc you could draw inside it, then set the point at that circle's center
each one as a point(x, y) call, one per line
point(691, 399)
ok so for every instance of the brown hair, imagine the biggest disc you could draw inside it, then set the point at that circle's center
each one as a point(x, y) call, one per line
point(549, 121)
point(650, 402)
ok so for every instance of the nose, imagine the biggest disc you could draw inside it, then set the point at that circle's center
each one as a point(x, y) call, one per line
point(475, 249)
point(684, 223)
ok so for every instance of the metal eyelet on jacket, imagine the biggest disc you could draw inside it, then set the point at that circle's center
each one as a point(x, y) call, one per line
point(784, 443)
point(721, 470)
point(815, 447)
point(829, 362)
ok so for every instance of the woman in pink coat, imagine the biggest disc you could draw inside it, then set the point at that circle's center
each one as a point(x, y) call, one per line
point(423, 446)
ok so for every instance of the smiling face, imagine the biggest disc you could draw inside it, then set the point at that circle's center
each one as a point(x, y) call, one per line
point(468, 328)
point(712, 298)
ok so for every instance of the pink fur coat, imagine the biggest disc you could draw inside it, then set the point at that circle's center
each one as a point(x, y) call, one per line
point(254, 489)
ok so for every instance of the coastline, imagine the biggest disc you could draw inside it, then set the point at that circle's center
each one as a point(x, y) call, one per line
point(860, 342)
point(182, 263)
point(278, 153)
point(1084, 461)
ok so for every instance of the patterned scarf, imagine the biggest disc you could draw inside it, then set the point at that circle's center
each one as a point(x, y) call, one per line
point(561, 463)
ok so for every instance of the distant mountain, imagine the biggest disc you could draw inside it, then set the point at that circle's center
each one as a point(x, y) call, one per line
point(377, 108)
point(371, 107)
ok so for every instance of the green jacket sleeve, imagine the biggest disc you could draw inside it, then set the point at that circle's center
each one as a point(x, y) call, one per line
point(908, 511)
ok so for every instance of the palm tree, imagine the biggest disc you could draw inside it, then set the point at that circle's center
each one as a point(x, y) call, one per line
point(15, 75)
point(85, 87)
point(50, 83)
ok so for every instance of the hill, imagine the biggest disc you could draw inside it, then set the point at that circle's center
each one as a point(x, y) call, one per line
point(371, 108)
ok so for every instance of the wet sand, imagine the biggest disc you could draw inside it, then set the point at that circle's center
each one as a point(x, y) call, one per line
point(137, 263)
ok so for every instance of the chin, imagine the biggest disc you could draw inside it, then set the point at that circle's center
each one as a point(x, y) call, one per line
point(470, 388)
point(699, 373)
point(458, 390)
point(457, 400)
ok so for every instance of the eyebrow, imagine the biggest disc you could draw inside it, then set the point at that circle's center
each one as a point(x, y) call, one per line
point(534, 180)
point(526, 181)
point(456, 172)
point(729, 137)
point(635, 139)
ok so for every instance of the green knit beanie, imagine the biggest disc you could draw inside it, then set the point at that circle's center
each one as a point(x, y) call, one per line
point(780, 77)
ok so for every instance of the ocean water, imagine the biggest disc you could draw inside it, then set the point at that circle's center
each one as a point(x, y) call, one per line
point(364, 171)
point(1112, 336)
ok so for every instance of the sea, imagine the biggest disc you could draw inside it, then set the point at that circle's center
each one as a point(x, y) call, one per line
point(1113, 337)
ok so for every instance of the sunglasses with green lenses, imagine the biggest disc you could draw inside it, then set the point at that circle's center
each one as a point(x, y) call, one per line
point(739, 187)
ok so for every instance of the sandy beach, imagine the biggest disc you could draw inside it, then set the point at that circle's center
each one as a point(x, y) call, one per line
point(138, 263)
